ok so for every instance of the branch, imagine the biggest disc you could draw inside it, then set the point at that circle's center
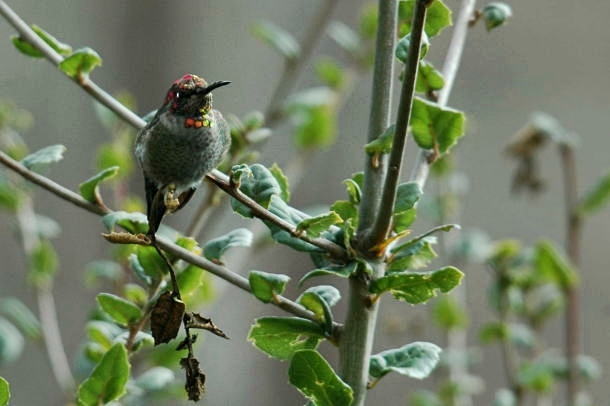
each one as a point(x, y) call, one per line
point(421, 169)
point(131, 118)
point(46, 304)
point(259, 211)
point(294, 67)
point(383, 216)
point(218, 270)
point(381, 101)
point(573, 239)
point(357, 337)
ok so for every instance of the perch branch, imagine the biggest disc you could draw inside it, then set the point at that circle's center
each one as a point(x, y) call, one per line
point(216, 269)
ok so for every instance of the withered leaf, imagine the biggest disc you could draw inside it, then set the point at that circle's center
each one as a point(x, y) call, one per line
point(195, 378)
point(195, 320)
point(126, 238)
point(166, 318)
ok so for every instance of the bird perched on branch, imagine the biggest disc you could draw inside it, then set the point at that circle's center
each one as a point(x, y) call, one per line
point(184, 141)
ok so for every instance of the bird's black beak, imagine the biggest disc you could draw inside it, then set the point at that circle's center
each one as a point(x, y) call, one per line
point(213, 86)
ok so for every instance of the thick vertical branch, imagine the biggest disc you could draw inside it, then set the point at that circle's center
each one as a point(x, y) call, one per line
point(573, 238)
point(381, 101)
point(383, 217)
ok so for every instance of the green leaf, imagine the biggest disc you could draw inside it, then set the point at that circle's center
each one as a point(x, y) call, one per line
point(260, 186)
point(353, 191)
point(345, 209)
point(403, 220)
point(102, 333)
point(281, 337)
point(313, 376)
point(192, 287)
point(5, 392)
point(319, 299)
point(46, 227)
point(21, 315)
point(96, 270)
point(89, 189)
point(416, 360)
point(423, 397)
point(402, 47)
point(415, 256)
point(80, 63)
point(155, 379)
point(43, 157)
point(136, 294)
point(343, 271)
point(549, 263)
point(107, 381)
point(407, 194)
point(28, 49)
point(266, 286)
point(417, 288)
point(438, 17)
point(215, 248)
point(496, 14)
point(11, 342)
point(118, 154)
point(279, 39)
point(121, 310)
point(381, 144)
point(144, 275)
point(330, 72)
point(345, 37)
point(281, 209)
point(314, 226)
point(316, 127)
point(282, 180)
point(428, 78)
point(43, 263)
point(449, 314)
point(536, 376)
point(368, 21)
point(597, 197)
point(133, 222)
point(10, 196)
point(505, 397)
point(253, 120)
point(436, 127)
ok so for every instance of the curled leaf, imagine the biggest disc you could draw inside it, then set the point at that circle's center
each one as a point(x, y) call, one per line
point(166, 318)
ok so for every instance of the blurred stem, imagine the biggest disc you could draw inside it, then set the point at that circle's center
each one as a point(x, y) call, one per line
point(573, 240)
point(294, 67)
point(421, 169)
point(46, 304)
point(383, 216)
point(456, 338)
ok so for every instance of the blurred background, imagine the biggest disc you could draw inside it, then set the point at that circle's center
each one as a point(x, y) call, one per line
point(553, 56)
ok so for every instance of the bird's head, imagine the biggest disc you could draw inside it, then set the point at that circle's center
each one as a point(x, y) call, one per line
point(191, 96)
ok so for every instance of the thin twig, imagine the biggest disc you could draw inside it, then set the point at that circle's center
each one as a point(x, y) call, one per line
point(114, 105)
point(294, 67)
point(383, 217)
point(573, 240)
point(46, 304)
point(420, 171)
point(218, 270)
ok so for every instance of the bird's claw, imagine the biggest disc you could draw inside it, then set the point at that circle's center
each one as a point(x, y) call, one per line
point(170, 200)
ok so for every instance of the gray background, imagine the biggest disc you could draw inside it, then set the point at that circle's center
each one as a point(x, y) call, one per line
point(553, 56)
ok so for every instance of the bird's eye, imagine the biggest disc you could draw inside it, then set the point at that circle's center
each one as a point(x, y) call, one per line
point(177, 95)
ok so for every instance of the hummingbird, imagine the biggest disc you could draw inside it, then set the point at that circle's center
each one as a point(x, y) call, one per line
point(185, 140)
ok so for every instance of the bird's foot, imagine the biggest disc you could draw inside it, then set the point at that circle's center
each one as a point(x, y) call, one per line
point(170, 199)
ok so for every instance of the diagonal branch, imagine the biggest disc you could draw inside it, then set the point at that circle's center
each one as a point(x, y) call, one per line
point(216, 269)
point(294, 67)
point(383, 217)
point(219, 178)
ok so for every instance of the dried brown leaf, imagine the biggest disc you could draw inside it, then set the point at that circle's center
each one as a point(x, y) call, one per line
point(195, 320)
point(166, 318)
point(195, 378)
